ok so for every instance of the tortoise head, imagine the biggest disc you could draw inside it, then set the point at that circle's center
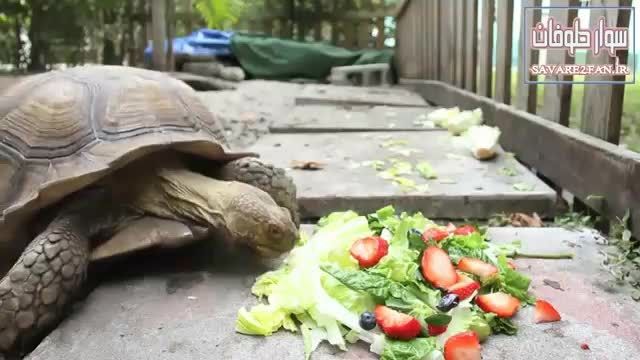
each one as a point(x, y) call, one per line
point(254, 219)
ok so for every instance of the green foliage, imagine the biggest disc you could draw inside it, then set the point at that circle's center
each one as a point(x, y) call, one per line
point(218, 12)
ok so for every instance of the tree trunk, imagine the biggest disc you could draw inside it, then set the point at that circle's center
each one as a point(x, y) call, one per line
point(159, 33)
point(171, 32)
point(37, 54)
point(17, 59)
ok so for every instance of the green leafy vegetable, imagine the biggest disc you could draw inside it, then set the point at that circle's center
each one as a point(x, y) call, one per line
point(425, 169)
point(416, 349)
point(500, 325)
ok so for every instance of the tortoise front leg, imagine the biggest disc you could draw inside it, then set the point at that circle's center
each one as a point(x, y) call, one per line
point(50, 271)
point(268, 178)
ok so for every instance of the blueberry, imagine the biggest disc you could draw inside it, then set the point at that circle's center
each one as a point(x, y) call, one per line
point(367, 320)
point(448, 302)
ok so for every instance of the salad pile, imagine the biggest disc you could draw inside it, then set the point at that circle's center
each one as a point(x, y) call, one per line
point(409, 287)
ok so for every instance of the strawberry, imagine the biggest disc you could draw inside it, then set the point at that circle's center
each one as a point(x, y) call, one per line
point(437, 268)
point(435, 330)
point(435, 234)
point(463, 289)
point(463, 346)
point(451, 228)
point(545, 312)
point(499, 303)
point(369, 250)
point(477, 267)
point(511, 264)
point(464, 230)
point(397, 325)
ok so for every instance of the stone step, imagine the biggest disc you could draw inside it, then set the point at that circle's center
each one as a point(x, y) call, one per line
point(190, 314)
point(356, 95)
point(326, 118)
point(465, 187)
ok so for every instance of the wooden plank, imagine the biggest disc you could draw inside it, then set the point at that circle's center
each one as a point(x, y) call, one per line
point(355, 95)
point(557, 97)
point(425, 49)
point(579, 163)
point(602, 104)
point(526, 94)
point(485, 49)
point(326, 118)
point(159, 33)
point(381, 37)
point(364, 34)
point(471, 44)
point(504, 44)
point(460, 32)
point(466, 188)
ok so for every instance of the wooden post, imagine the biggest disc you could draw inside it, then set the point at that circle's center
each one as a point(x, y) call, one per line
point(159, 31)
point(557, 97)
point(526, 95)
point(471, 45)
point(504, 45)
point(602, 104)
point(485, 49)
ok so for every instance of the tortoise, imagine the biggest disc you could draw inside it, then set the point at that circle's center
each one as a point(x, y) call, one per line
point(103, 161)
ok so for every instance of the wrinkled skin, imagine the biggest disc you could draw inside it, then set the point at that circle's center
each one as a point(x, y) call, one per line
point(52, 269)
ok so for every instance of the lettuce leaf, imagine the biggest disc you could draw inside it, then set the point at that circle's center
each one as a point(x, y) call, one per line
point(416, 349)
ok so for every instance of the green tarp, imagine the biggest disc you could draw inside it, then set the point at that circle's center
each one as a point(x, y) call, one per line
point(277, 59)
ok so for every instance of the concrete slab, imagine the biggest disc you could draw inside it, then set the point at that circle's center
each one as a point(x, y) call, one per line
point(166, 307)
point(465, 187)
point(326, 118)
point(355, 95)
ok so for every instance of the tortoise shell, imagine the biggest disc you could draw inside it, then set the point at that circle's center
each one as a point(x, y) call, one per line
point(61, 131)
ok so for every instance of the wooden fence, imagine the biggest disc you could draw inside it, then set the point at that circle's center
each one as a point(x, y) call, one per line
point(444, 50)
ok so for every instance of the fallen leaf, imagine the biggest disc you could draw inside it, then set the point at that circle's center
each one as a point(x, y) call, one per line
point(307, 165)
point(584, 346)
point(524, 220)
point(553, 284)
point(376, 164)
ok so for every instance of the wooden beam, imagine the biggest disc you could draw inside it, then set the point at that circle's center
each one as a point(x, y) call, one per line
point(471, 45)
point(485, 49)
point(602, 104)
point(159, 31)
point(504, 44)
point(557, 97)
point(526, 94)
point(601, 174)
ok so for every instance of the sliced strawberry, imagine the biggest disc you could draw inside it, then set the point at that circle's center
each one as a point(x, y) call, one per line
point(477, 267)
point(545, 312)
point(437, 268)
point(499, 303)
point(435, 330)
point(463, 289)
point(397, 325)
point(463, 346)
point(435, 234)
point(368, 251)
point(464, 230)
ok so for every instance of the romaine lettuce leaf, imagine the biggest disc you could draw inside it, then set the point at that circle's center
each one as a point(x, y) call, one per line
point(416, 349)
